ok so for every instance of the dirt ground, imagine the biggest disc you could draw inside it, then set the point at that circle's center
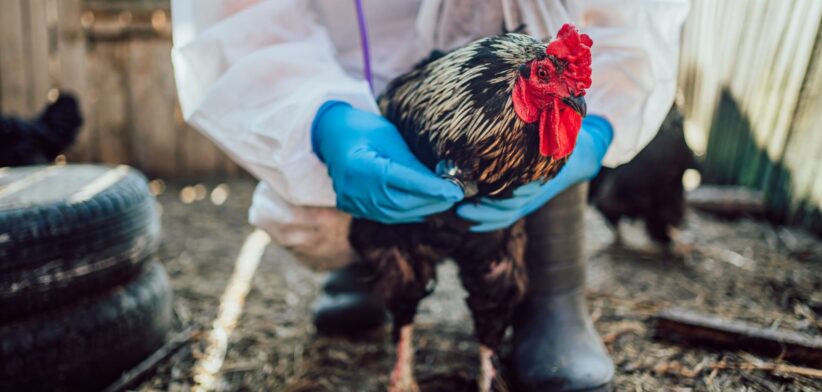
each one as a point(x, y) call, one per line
point(741, 269)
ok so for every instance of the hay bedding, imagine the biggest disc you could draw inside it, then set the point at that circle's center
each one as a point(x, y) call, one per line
point(744, 269)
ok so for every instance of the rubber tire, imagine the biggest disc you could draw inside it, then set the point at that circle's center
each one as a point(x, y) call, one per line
point(87, 345)
point(54, 251)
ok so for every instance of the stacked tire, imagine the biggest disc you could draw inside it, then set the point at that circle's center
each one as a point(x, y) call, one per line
point(81, 297)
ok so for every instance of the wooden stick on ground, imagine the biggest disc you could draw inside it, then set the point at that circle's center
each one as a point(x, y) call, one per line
point(231, 308)
point(690, 327)
point(775, 367)
point(132, 376)
point(727, 200)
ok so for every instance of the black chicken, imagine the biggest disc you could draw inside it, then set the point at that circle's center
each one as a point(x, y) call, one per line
point(493, 115)
point(43, 138)
point(650, 186)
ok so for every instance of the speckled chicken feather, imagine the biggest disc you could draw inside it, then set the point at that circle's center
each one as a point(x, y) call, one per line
point(458, 107)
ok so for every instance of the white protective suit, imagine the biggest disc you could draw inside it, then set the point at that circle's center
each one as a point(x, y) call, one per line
point(251, 75)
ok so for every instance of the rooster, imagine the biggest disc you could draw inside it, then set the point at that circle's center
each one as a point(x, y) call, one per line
point(649, 187)
point(40, 140)
point(495, 114)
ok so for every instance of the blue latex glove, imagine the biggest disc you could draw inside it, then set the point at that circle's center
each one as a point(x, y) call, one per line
point(584, 163)
point(374, 173)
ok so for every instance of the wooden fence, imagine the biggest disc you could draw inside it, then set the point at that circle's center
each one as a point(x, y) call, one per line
point(751, 74)
point(115, 55)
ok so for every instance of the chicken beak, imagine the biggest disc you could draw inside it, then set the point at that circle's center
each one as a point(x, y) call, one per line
point(577, 103)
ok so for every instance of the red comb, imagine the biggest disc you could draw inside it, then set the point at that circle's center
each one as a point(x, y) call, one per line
point(575, 48)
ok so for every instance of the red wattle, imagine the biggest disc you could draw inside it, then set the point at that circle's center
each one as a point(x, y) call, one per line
point(570, 124)
point(558, 130)
point(548, 129)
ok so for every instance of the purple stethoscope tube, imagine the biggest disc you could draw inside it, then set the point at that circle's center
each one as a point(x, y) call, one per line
point(366, 55)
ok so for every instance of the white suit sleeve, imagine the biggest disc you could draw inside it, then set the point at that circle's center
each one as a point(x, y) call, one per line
point(251, 76)
point(635, 56)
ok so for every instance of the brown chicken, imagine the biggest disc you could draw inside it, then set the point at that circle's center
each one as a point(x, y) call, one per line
point(493, 115)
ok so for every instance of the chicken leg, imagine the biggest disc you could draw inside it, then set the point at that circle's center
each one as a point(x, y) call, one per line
point(402, 299)
point(496, 282)
point(402, 377)
point(404, 273)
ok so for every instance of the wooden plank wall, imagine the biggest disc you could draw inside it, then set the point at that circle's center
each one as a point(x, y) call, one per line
point(751, 79)
point(24, 57)
point(115, 55)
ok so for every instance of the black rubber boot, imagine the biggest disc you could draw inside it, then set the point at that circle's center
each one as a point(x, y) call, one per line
point(556, 347)
point(346, 306)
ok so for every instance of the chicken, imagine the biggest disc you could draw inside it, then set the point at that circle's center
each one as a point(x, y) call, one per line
point(493, 115)
point(650, 186)
point(40, 140)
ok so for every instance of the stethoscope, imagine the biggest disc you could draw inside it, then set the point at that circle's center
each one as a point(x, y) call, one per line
point(446, 169)
point(366, 55)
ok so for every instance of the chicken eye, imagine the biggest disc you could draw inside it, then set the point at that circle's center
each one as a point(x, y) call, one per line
point(542, 73)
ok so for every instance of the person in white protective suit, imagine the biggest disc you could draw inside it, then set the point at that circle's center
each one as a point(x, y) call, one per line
point(287, 90)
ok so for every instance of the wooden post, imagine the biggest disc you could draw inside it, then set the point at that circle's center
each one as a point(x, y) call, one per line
point(37, 56)
point(13, 69)
point(71, 73)
point(109, 118)
point(152, 100)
